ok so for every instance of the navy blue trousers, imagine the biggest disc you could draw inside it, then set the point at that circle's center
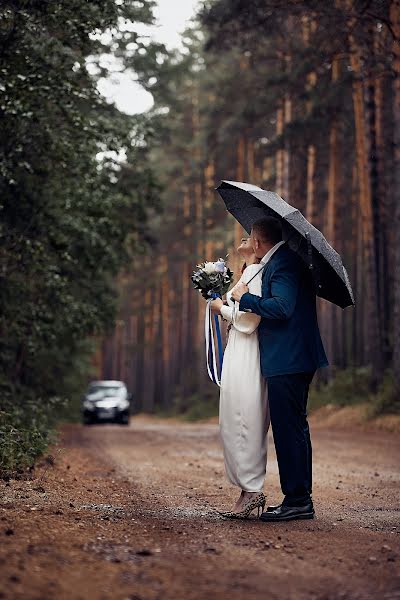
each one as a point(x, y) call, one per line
point(287, 396)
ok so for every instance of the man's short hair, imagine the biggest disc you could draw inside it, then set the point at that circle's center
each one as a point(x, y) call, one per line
point(268, 229)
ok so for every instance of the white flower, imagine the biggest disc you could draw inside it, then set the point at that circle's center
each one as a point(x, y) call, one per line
point(209, 267)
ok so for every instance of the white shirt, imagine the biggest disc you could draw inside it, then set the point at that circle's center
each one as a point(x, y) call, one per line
point(266, 259)
point(271, 252)
point(224, 311)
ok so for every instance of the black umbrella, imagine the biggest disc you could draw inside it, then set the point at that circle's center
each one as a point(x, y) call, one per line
point(247, 203)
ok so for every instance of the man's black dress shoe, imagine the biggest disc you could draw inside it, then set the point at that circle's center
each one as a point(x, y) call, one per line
point(271, 508)
point(288, 513)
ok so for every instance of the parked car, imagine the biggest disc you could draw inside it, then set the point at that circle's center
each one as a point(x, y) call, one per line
point(106, 401)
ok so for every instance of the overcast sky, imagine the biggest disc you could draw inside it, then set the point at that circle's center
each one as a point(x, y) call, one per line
point(172, 18)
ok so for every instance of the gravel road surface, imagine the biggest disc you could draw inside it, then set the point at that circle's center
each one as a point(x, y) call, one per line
point(130, 513)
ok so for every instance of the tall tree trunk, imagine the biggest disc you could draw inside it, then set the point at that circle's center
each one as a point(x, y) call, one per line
point(286, 150)
point(122, 356)
point(185, 333)
point(267, 171)
point(97, 359)
point(189, 300)
point(240, 174)
point(374, 332)
point(134, 339)
point(200, 253)
point(251, 168)
point(310, 200)
point(165, 326)
point(384, 281)
point(331, 207)
point(287, 107)
point(362, 332)
point(279, 166)
point(308, 28)
point(395, 21)
point(349, 249)
point(148, 358)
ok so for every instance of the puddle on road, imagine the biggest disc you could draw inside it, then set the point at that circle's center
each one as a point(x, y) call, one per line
point(181, 513)
point(107, 511)
point(159, 513)
point(103, 507)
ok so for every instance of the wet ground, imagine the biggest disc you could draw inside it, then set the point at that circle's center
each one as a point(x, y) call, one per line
point(131, 513)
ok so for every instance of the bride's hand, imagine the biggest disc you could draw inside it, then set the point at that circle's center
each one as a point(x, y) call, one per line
point(216, 306)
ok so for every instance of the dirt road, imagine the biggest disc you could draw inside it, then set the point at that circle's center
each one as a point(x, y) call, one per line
point(129, 513)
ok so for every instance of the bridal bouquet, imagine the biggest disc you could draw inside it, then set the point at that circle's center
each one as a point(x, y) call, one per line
point(212, 278)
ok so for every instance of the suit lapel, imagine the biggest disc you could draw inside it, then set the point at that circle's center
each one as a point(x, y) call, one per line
point(271, 261)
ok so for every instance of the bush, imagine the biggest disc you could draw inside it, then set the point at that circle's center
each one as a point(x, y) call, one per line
point(26, 430)
point(195, 406)
point(387, 398)
point(28, 421)
point(350, 386)
point(201, 408)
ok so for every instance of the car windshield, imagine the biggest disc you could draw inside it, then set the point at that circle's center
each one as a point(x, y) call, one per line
point(105, 391)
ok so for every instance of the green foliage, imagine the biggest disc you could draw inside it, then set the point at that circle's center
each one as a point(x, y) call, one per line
point(194, 407)
point(26, 429)
point(387, 399)
point(201, 408)
point(71, 216)
point(352, 386)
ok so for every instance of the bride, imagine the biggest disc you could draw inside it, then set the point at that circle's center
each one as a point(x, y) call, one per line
point(244, 414)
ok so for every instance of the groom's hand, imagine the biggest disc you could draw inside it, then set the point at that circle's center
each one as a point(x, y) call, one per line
point(239, 290)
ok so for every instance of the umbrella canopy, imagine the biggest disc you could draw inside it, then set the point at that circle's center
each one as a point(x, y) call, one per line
point(247, 203)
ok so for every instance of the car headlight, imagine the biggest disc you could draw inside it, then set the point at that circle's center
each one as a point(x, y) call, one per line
point(88, 405)
point(123, 405)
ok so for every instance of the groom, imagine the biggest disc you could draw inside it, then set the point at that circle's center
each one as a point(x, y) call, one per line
point(291, 351)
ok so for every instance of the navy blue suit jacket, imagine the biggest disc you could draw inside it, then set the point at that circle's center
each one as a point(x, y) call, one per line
point(288, 333)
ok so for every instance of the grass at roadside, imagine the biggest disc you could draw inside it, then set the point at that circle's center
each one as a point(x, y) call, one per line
point(28, 426)
point(26, 430)
point(196, 408)
point(352, 386)
point(348, 388)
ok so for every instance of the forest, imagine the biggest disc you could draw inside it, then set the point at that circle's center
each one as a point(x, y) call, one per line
point(297, 97)
point(104, 216)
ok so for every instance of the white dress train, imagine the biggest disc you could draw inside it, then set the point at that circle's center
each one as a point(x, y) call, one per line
point(243, 413)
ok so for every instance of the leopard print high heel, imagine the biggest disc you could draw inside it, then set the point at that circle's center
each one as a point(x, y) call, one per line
point(256, 502)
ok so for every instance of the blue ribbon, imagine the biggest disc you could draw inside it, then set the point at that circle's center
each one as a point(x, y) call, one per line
point(213, 374)
point(211, 354)
point(219, 338)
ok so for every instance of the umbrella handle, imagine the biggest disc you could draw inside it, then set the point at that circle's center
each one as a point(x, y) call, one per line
point(314, 271)
point(309, 252)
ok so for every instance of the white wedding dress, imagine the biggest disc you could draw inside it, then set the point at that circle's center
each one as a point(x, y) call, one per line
point(244, 414)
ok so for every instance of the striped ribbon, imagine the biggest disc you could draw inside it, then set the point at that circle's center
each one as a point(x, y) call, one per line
point(211, 354)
